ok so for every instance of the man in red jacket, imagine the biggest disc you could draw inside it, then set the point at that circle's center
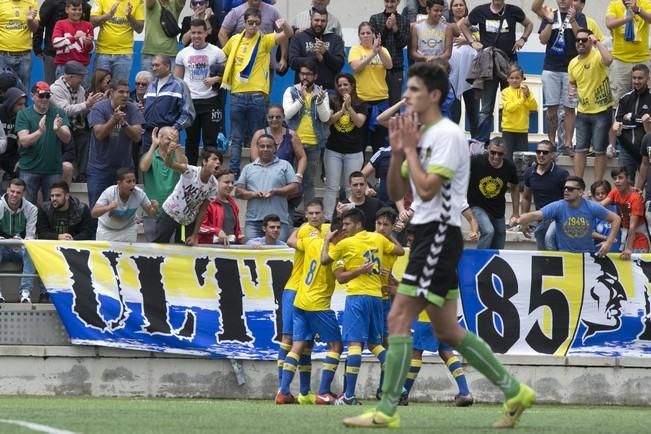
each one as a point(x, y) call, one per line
point(222, 224)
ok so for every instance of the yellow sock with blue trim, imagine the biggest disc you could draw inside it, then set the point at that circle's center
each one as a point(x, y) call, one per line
point(353, 364)
point(414, 369)
point(289, 369)
point(282, 354)
point(328, 370)
point(305, 371)
point(454, 366)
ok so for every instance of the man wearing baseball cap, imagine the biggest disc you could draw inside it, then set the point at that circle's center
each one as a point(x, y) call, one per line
point(42, 130)
point(68, 94)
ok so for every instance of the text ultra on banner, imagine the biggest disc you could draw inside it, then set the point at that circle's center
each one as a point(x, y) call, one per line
point(224, 303)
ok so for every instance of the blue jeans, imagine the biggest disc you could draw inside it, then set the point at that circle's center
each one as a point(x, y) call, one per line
point(36, 182)
point(313, 154)
point(253, 229)
point(19, 254)
point(492, 230)
point(592, 129)
point(338, 168)
point(118, 64)
point(145, 62)
point(248, 112)
point(544, 230)
point(97, 182)
point(488, 96)
point(22, 66)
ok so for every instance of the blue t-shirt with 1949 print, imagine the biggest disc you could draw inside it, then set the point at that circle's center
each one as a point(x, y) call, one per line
point(574, 226)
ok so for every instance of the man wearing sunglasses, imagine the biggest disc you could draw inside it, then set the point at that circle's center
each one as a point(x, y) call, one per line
point(42, 130)
point(574, 216)
point(544, 181)
point(588, 74)
point(490, 176)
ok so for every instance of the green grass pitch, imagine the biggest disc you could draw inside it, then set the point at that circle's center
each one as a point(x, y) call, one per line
point(186, 416)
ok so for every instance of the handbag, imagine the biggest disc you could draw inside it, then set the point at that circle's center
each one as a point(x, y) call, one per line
point(168, 23)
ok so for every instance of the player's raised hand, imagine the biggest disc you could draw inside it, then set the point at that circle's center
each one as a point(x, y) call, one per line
point(410, 131)
point(395, 135)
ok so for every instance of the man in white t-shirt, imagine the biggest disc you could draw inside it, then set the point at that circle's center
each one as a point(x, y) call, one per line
point(201, 66)
point(189, 201)
point(116, 208)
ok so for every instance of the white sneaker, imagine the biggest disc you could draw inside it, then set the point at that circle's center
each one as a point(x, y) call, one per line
point(2, 299)
point(611, 151)
point(25, 297)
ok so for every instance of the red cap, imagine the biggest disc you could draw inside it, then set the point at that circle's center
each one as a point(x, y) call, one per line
point(41, 87)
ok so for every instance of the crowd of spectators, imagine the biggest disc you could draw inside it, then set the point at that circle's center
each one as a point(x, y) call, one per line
point(84, 122)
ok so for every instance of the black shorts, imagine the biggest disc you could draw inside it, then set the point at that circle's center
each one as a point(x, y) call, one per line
point(433, 260)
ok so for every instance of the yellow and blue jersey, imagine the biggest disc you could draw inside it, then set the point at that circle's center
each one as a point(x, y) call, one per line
point(387, 264)
point(305, 231)
point(317, 283)
point(350, 253)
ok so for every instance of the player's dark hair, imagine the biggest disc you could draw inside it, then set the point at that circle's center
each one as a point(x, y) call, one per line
point(122, 172)
point(355, 174)
point(603, 183)
point(578, 180)
point(355, 215)
point(587, 31)
point(73, 3)
point(60, 184)
point(434, 77)
point(362, 25)
point(270, 218)
point(387, 213)
point(210, 150)
point(431, 3)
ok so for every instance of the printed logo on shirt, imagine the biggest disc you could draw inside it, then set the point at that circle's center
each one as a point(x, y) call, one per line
point(490, 187)
point(199, 67)
point(577, 227)
point(493, 26)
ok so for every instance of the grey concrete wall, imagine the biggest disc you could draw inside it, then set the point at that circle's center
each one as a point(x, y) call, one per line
point(94, 371)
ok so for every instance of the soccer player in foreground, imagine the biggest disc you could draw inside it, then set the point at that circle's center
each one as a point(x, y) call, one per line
point(434, 158)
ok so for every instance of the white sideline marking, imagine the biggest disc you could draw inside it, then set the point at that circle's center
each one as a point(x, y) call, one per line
point(36, 427)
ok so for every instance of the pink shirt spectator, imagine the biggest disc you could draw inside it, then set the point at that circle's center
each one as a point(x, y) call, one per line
point(67, 46)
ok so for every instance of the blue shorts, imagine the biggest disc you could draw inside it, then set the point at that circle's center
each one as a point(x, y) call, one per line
point(425, 339)
point(320, 325)
point(386, 305)
point(287, 311)
point(363, 319)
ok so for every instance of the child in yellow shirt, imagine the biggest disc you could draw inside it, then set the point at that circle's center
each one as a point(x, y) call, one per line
point(517, 102)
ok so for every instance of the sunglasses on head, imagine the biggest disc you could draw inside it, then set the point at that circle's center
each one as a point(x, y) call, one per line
point(542, 152)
